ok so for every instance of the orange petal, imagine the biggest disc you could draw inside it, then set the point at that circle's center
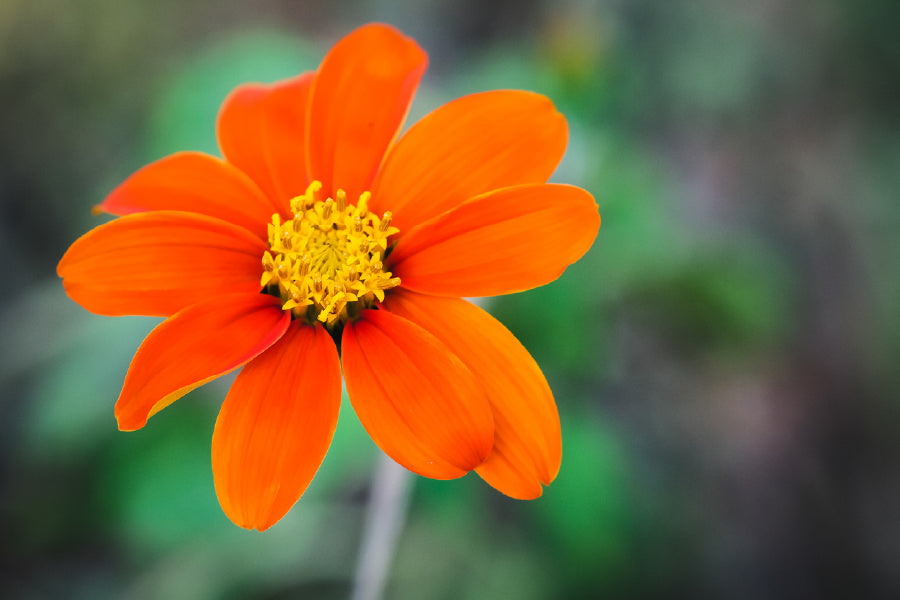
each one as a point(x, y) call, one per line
point(194, 346)
point(193, 182)
point(275, 427)
point(417, 400)
point(506, 241)
point(157, 263)
point(360, 97)
point(262, 130)
point(527, 443)
point(468, 147)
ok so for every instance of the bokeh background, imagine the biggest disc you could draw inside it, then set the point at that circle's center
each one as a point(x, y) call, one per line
point(724, 358)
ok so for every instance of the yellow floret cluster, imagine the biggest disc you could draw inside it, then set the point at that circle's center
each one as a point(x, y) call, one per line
point(326, 263)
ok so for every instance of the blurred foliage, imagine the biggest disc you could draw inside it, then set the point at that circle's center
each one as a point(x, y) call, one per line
point(185, 114)
point(723, 357)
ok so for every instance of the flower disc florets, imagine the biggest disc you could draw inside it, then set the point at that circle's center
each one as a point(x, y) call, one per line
point(326, 263)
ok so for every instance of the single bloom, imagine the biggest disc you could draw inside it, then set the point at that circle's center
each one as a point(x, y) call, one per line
point(325, 246)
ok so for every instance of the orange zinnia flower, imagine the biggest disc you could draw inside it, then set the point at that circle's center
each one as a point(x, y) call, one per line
point(322, 244)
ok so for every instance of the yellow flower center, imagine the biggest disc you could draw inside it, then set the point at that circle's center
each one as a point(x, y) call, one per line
point(326, 262)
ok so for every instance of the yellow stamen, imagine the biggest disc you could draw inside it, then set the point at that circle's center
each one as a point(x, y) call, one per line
point(326, 262)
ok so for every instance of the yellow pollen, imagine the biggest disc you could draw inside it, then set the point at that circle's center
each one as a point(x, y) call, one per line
point(326, 262)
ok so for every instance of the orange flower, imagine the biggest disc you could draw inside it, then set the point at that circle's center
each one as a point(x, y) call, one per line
point(321, 243)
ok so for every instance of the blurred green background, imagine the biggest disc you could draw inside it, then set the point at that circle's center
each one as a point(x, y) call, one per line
point(724, 358)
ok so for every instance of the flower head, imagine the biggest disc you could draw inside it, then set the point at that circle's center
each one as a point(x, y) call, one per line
point(323, 244)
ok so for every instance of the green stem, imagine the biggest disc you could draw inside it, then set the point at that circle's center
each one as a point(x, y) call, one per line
point(385, 518)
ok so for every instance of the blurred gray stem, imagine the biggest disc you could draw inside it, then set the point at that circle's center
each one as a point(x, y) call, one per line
point(384, 521)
